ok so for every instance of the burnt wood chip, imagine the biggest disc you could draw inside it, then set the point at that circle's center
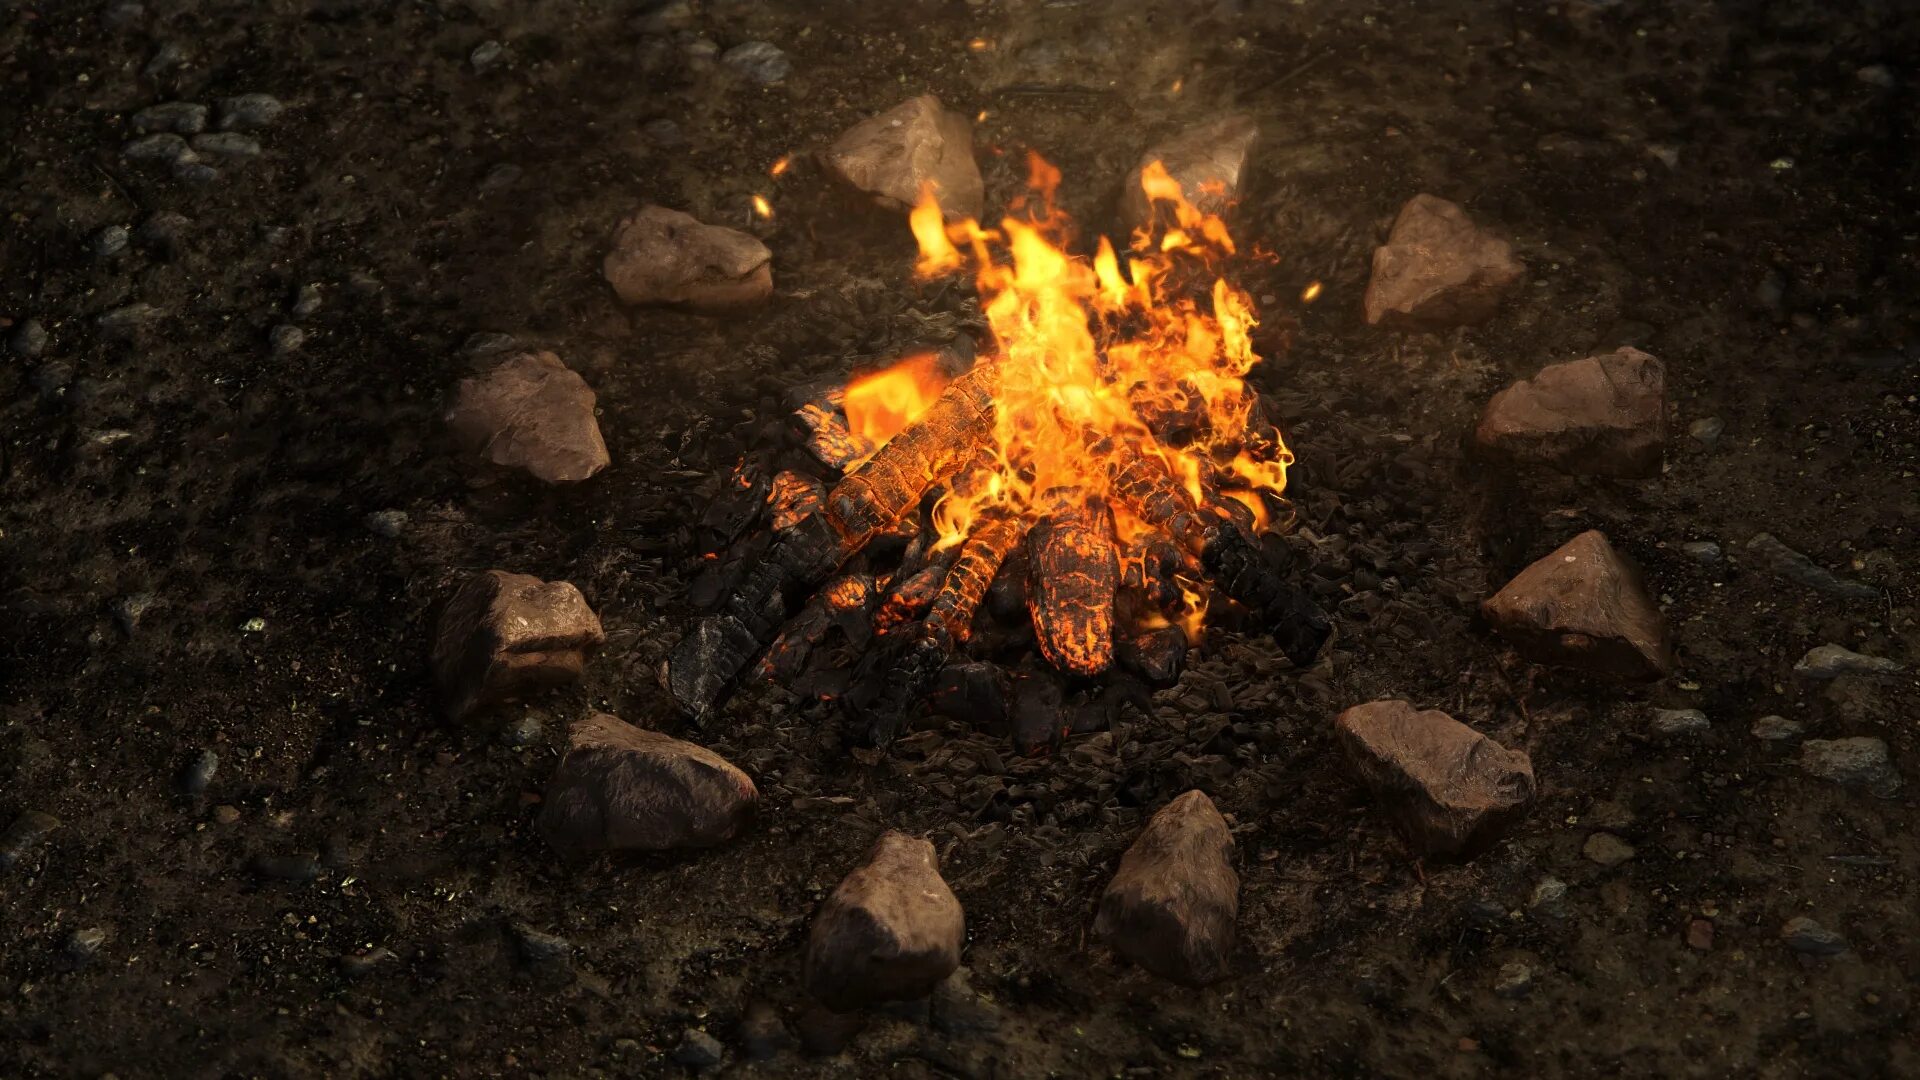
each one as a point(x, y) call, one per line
point(504, 636)
point(1602, 415)
point(623, 788)
point(1036, 718)
point(1172, 905)
point(1438, 269)
point(973, 693)
point(891, 930)
point(1448, 789)
point(1156, 655)
point(1584, 607)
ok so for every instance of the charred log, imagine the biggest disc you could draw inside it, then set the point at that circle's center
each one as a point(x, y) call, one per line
point(793, 497)
point(740, 504)
point(944, 440)
point(1157, 656)
point(909, 598)
point(1072, 581)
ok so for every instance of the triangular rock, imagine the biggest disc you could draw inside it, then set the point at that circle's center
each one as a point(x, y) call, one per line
point(663, 256)
point(890, 931)
point(1172, 904)
point(1438, 269)
point(1584, 607)
point(917, 142)
point(531, 412)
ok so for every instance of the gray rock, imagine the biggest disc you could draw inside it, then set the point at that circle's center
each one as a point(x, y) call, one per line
point(1601, 415)
point(501, 177)
point(486, 55)
point(29, 339)
point(167, 57)
point(531, 412)
point(1809, 938)
point(184, 117)
point(110, 241)
point(387, 523)
point(1514, 981)
point(1448, 789)
point(129, 320)
point(663, 256)
point(1607, 849)
point(484, 343)
point(1858, 762)
point(623, 788)
point(1674, 723)
point(1172, 905)
point(247, 112)
point(759, 61)
point(167, 148)
point(698, 1050)
point(523, 731)
point(306, 302)
point(1833, 661)
point(226, 144)
point(700, 51)
point(1792, 565)
point(1549, 897)
point(1584, 607)
point(957, 1009)
point(25, 834)
point(890, 157)
point(1438, 269)
point(891, 930)
point(540, 948)
point(1879, 75)
point(287, 338)
point(1209, 163)
point(1701, 551)
point(504, 636)
point(199, 772)
point(1706, 431)
point(1776, 729)
point(189, 169)
point(123, 17)
point(83, 946)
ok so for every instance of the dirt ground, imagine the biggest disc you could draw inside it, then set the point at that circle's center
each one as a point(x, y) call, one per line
point(185, 563)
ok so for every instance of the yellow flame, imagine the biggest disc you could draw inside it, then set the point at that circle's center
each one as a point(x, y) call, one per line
point(979, 45)
point(881, 405)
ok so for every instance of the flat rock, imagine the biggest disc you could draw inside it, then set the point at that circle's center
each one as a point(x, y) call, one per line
point(1449, 789)
point(890, 156)
point(1678, 723)
point(663, 256)
point(1833, 661)
point(1586, 608)
point(623, 788)
point(1438, 269)
point(1776, 729)
point(185, 117)
point(1601, 415)
point(1805, 936)
point(760, 61)
point(1172, 905)
point(1784, 561)
point(890, 931)
point(1607, 849)
point(1209, 162)
point(531, 412)
point(1858, 762)
point(503, 636)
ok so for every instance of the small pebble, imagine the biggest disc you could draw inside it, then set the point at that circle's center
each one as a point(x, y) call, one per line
point(1514, 981)
point(156, 148)
point(226, 144)
point(306, 302)
point(387, 523)
point(1671, 723)
point(1776, 728)
point(1607, 849)
point(197, 775)
point(1833, 661)
point(1549, 897)
point(486, 344)
point(486, 54)
point(84, 945)
point(247, 112)
point(253, 625)
point(1701, 551)
point(165, 59)
point(1700, 934)
point(1707, 431)
point(698, 1050)
point(759, 61)
point(29, 338)
point(225, 814)
point(189, 169)
point(701, 51)
point(1805, 936)
point(538, 947)
point(163, 232)
point(523, 731)
point(110, 241)
point(1877, 75)
point(129, 319)
point(362, 964)
point(287, 338)
point(185, 117)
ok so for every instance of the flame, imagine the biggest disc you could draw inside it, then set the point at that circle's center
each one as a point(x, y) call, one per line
point(881, 405)
point(1142, 351)
point(762, 207)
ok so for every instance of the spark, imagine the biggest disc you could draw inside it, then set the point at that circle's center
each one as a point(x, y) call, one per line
point(781, 165)
point(762, 207)
point(1310, 293)
point(979, 44)
point(981, 118)
point(1177, 84)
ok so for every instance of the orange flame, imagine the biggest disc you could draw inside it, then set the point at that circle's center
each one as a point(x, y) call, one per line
point(881, 405)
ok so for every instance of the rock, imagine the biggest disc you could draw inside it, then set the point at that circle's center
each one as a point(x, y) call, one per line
point(1776, 729)
point(623, 788)
point(759, 61)
point(122, 17)
point(503, 636)
point(1833, 661)
point(663, 256)
point(763, 1035)
point(523, 731)
point(1208, 162)
point(1157, 656)
point(1514, 981)
point(24, 835)
point(1601, 415)
point(1809, 938)
point(824, 1032)
point(1549, 897)
point(539, 948)
point(698, 1050)
point(668, 17)
point(199, 773)
point(1879, 75)
point(1792, 565)
point(169, 56)
point(1171, 906)
point(531, 412)
point(184, 117)
point(287, 338)
point(128, 610)
point(1607, 849)
point(1700, 934)
point(168, 148)
point(1449, 789)
point(1706, 431)
point(307, 301)
point(486, 55)
point(226, 144)
point(891, 930)
point(1701, 551)
point(1858, 762)
point(226, 814)
point(387, 523)
point(247, 112)
point(1675, 723)
point(110, 241)
point(189, 169)
point(1584, 607)
point(29, 339)
point(1438, 270)
point(890, 157)
point(362, 964)
point(83, 946)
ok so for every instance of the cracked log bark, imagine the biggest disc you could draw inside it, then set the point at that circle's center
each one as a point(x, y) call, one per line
point(1071, 582)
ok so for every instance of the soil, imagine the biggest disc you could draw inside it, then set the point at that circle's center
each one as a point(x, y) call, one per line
point(1731, 187)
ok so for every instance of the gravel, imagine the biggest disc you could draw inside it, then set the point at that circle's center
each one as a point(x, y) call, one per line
point(387, 523)
point(287, 338)
point(1514, 981)
point(698, 1050)
point(1776, 729)
point(1701, 551)
point(226, 144)
point(1856, 763)
point(29, 338)
point(110, 241)
point(248, 112)
point(1706, 431)
point(487, 55)
point(306, 302)
point(185, 117)
point(199, 773)
point(759, 61)
point(165, 147)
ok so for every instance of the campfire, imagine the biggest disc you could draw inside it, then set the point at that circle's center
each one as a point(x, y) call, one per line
point(1093, 488)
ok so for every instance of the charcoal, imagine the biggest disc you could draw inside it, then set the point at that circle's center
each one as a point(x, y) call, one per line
point(890, 684)
point(1156, 655)
point(794, 497)
point(741, 503)
point(826, 436)
point(707, 660)
point(909, 598)
point(1007, 596)
point(1247, 573)
point(946, 438)
point(1036, 716)
point(719, 576)
point(973, 693)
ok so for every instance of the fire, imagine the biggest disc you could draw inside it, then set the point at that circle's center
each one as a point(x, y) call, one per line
point(881, 405)
point(1101, 359)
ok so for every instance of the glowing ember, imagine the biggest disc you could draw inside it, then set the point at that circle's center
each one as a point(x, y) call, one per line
point(780, 166)
point(1310, 293)
point(762, 207)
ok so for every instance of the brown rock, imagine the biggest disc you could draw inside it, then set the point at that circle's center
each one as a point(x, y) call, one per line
point(1172, 904)
point(891, 155)
point(503, 636)
point(1438, 269)
point(1449, 789)
point(1601, 416)
point(1584, 607)
point(530, 412)
point(891, 931)
point(663, 256)
point(1209, 162)
point(623, 788)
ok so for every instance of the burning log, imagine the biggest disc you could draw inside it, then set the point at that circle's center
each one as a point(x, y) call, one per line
point(794, 497)
point(1072, 582)
point(910, 597)
point(826, 434)
point(944, 440)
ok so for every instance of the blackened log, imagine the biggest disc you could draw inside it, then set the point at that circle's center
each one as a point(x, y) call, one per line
point(845, 603)
point(1071, 582)
point(741, 502)
point(909, 598)
point(966, 583)
point(1157, 656)
point(823, 430)
point(973, 693)
point(945, 439)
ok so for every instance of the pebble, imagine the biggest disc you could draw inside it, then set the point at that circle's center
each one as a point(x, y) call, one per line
point(199, 773)
point(538, 947)
point(129, 319)
point(523, 731)
point(166, 147)
point(1706, 431)
point(169, 56)
point(1701, 551)
point(505, 635)
point(1700, 934)
point(360, 965)
point(1607, 849)
point(1857, 762)
point(84, 945)
point(189, 169)
point(387, 523)
point(698, 1050)
point(1549, 897)
point(163, 232)
point(29, 338)
point(1796, 567)
point(760, 61)
point(1805, 936)
point(185, 117)
point(1514, 981)
point(1833, 661)
point(1776, 728)
point(1173, 904)
point(306, 302)
point(287, 338)
point(890, 931)
point(1670, 723)
point(1879, 75)
point(23, 835)
point(226, 814)
point(247, 112)
point(110, 241)
point(701, 50)
point(667, 18)
point(623, 788)
point(486, 55)
point(226, 144)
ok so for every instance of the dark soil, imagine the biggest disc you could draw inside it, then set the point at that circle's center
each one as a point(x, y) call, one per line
point(1731, 187)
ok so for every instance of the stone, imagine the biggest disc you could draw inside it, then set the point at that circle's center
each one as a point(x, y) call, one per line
point(1607, 849)
point(169, 56)
point(1448, 789)
point(286, 338)
point(387, 523)
point(199, 773)
point(1172, 905)
point(1514, 981)
point(1549, 897)
point(1785, 562)
point(1208, 162)
point(29, 339)
point(163, 147)
point(1705, 552)
point(184, 117)
point(83, 946)
point(1678, 723)
point(164, 232)
point(531, 412)
point(1776, 729)
point(129, 320)
point(1833, 661)
point(539, 948)
point(916, 143)
point(110, 241)
point(1706, 430)
point(623, 788)
point(24, 835)
point(189, 169)
point(698, 1050)
point(1438, 270)
point(307, 301)
point(1859, 762)
point(130, 609)
point(663, 256)
point(226, 144)
point(1809, 938)
point(891, 930)
point(1700, 934)
point(248, 112)
point(362, 964)
point(759, 61)
point(503, 636)
point(486, 55)
point(1600, 415)
point(1584, 607)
